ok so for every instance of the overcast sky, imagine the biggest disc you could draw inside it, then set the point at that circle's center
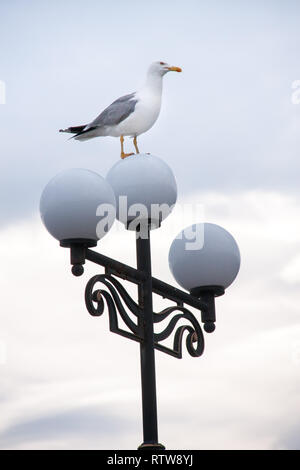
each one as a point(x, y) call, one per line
point(230, 129)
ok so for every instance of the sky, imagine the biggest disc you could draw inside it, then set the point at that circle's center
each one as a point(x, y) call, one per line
point(229, 128)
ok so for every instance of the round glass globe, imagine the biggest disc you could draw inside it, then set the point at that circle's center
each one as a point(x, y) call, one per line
point(78, 204)
point(145, 190)
point(204, 255)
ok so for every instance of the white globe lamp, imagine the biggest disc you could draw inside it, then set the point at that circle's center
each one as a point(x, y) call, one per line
point(204, 256)
point(78, 208)
point(145, 190)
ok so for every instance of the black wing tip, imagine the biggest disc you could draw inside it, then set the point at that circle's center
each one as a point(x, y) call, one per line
point(85, 131)
point(74, 129)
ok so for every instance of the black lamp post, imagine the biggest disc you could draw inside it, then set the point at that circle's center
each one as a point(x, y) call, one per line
point(205, 270)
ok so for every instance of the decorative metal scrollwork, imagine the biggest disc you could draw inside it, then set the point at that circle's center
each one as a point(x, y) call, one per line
point(195, 335)
point(114, 305)
point(115, 294)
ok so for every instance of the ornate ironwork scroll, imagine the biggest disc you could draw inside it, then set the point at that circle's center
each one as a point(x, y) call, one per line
point(114, 295)
point(195, 335)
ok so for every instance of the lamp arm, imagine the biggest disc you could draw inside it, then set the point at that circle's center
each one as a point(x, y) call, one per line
point(136, 276)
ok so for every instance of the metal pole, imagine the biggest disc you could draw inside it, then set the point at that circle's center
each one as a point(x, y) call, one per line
point(148, 380)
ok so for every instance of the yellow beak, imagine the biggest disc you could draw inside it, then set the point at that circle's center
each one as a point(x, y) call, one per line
point(175, 69)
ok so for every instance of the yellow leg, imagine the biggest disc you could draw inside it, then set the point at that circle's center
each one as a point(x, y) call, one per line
point(123, 155)
point(136, 145)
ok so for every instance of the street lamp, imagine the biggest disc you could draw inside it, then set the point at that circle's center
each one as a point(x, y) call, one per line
point(78, 207)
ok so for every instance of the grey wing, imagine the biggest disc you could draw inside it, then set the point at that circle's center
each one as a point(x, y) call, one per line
point(116, 112)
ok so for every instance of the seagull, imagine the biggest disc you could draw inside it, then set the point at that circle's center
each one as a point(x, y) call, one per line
point(130, 115)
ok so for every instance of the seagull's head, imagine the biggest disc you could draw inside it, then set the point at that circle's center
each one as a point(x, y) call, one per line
point(161, 68)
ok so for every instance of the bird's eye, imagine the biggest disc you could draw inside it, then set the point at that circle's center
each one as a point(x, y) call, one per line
point(162, 63)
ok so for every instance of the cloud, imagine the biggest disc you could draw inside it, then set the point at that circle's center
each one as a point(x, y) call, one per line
point(291, 272)
point(62, 365)
point(93, 424)
point(290, 439)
